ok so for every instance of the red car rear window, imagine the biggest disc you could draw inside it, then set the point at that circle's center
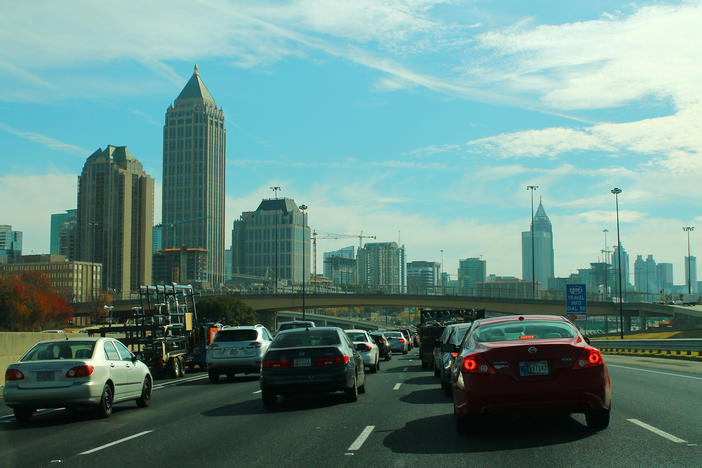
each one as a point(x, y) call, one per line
point(524, 330)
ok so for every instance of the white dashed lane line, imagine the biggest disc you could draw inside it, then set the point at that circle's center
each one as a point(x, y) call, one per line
point(87, 452)
point(360, 439)
point(657, 431)
point(397, 386)
point(655, 372)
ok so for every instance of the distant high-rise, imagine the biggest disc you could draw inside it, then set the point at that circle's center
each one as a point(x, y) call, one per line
point(10, 244)
point(381, 265)
point(471, 271)
point(115, 219)
point(422, 277)
point(646, 276)
point(664, 273)
point(691, 274)
point(543, 249)
point(194, 166)
point(56, 220)
point(268, 242)
point(340, 266)
point(625, 269)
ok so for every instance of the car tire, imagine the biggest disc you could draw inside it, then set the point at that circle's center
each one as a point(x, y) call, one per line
point(377, 364)
point(214, 376)
point(268, 398)
point(23, 414)
point(352, 393)
point(181, 361)
point(462, 423)
point(175, 368)
point(447, 387)
point(372, 368)
point(145, 399)
point(597, 419)
point(388, 357)
point(436, 371)
point(104, 408)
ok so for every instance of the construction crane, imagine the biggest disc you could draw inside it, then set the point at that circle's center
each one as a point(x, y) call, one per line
point(316, 235)
point(176, 223)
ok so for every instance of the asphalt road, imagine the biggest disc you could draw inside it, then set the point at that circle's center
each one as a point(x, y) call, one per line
point(403, 420)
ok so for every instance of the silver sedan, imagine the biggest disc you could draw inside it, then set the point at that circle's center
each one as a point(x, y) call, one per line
point(77, 372)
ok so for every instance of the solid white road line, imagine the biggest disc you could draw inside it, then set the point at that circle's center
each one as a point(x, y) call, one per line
point(258, 391)
point(361, 438)
point(655, 372)
point(397, 386)
point(178, 382)
point(87, 452)
point(657, 431)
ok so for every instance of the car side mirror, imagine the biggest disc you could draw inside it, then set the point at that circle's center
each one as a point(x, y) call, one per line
point(587, 340)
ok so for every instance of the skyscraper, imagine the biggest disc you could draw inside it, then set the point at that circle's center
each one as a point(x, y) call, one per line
point(471, 271)
point(543, 249)
point(381, 265)
point(422, 277)
point(691, 274)
point(56, 220)
point(194, 152)
point(625, 268)
point(115, 219)
point(10, 244)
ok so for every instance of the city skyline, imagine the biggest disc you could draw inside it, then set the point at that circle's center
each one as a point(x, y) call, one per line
point(421, 123)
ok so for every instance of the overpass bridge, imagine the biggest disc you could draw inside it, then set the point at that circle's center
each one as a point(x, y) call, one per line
point(268, 305)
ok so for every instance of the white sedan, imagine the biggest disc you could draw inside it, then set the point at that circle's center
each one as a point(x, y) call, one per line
point(76, 372)
point(366, 348)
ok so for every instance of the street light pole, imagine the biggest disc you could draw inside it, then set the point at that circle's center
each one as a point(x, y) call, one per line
point(616, 191)
point(533, 266)
point(689, 271)
point(303, 208)
point(275, 195)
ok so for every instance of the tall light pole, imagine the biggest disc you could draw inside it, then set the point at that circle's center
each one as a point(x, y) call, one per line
point(616, 191)
point(533, 266)
point(303, 208)
point(275, 195)
point(689, 271)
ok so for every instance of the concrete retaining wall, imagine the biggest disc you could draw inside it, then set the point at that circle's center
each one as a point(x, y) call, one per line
point(14, 344)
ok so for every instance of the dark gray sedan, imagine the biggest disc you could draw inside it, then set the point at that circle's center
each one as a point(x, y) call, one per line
point(311, 360)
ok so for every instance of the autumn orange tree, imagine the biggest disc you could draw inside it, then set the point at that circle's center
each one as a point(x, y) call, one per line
point(28, 302)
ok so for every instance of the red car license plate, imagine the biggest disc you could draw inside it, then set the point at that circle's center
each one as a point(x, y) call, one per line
point(529, 368)
point(302, 362)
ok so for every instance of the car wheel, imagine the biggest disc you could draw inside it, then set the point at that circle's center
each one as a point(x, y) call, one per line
point(372, 369)
point(175, 368)
point(104, 408)
point(182, 367)
point(145, 399)
point(388, 357)
point(269, 398)
point(597, 419)
point(447, 388)
point(404, 351)
point(377, 364)
point(23, 414)
point(462, 423)
point(352, 393)
point(214, 376)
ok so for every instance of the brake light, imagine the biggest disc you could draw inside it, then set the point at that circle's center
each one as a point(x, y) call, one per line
point(330, 360)
point(367, 348)
point(383, 340)
point(454, 354)
point(526, 337)
point(79, 371)
point(474, 364)
point(401, 340)
point(13, 374)
point(590, 357)
point(254, 344)
point(275, 363)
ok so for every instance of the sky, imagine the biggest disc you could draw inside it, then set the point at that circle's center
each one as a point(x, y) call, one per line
point(419, 121)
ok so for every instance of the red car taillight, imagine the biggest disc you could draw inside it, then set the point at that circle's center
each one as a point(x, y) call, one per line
point(13, 374)
point(366, 348)
point(255, 344)
point(474, 364)
point(79, 371)
point(330, 360)
point(275, 363)
point(590, 357)
point(383, 340)
point(401, 340)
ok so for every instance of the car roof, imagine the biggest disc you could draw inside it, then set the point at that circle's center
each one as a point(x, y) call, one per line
point(316, 329)
point(355, 330)
point(241, 327)
point(69, 340)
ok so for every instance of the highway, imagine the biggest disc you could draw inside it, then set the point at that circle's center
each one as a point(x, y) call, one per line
point(402, 420)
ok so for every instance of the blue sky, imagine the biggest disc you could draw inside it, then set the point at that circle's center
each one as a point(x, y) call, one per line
point(422, 120)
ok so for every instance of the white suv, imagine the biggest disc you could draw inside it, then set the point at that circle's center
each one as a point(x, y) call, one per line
point(237, 350)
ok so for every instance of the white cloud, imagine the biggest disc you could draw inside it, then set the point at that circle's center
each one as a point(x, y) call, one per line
point(46, 141)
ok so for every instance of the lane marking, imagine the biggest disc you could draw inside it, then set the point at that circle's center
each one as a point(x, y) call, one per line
point(258, 391)
point(178, 382)
point(88, 452)
point(360, 439)
point(405, 369)
point(655, 372)
point(37, 412)
point(657, 431)
point(397, 386)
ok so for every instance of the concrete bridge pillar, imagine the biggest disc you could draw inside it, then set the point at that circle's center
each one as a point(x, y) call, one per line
point(626, 326)
point(643, 317)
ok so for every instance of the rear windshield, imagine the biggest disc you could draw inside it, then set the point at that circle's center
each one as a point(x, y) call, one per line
point(356, 336)
point(309, 337)
point(236, 335)
point(458, 334)
point(394, 335)
point(60, 350)
point(524, 330)
point(289, 326)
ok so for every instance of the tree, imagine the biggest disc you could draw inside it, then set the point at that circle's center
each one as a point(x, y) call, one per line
point(29, 303)
point(228, 309)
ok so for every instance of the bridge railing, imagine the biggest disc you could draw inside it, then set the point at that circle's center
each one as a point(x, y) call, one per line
point(679, 347)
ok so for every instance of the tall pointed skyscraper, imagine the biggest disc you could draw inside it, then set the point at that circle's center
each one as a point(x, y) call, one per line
point(194, 152)
point(543, 249)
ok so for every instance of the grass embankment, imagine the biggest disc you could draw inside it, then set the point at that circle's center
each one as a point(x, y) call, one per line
point(663, 335)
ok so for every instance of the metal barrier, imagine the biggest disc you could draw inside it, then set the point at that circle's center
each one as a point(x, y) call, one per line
point(689, 348)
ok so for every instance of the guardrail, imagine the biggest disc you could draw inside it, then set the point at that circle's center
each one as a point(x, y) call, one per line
point(686, 348)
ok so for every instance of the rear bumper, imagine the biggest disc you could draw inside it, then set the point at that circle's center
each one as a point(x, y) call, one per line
point(248, 364)
point(83, 393)
point(306, 383)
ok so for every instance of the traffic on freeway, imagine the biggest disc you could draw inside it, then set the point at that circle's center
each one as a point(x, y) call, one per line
point(403, 418)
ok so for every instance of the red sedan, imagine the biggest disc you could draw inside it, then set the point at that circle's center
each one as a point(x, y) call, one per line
point(536, 362)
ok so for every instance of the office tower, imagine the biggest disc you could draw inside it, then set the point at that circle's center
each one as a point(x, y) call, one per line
point(184, 266)
point(381, 266)
point(340, 266)
point(543, 249)
point(115, 219)
point(346, 252)
point(664, 273)
point(268, 242)
point(57, 220)
point(68, 237)
point(625, 268)
point(423, 277)
point(194, 145)
point(471, 271)
point(691, 274)
point(10, 244)
point(646, 276)
point(157, 240)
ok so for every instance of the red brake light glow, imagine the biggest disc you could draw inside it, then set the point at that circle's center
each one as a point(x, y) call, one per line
point(526, 337)
point(474, 364)
point(13, 374)
point(255, 344)
point(79, 371)
point(276, 363)
point(590, 357)
point(330, 360)
point(401, 340)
